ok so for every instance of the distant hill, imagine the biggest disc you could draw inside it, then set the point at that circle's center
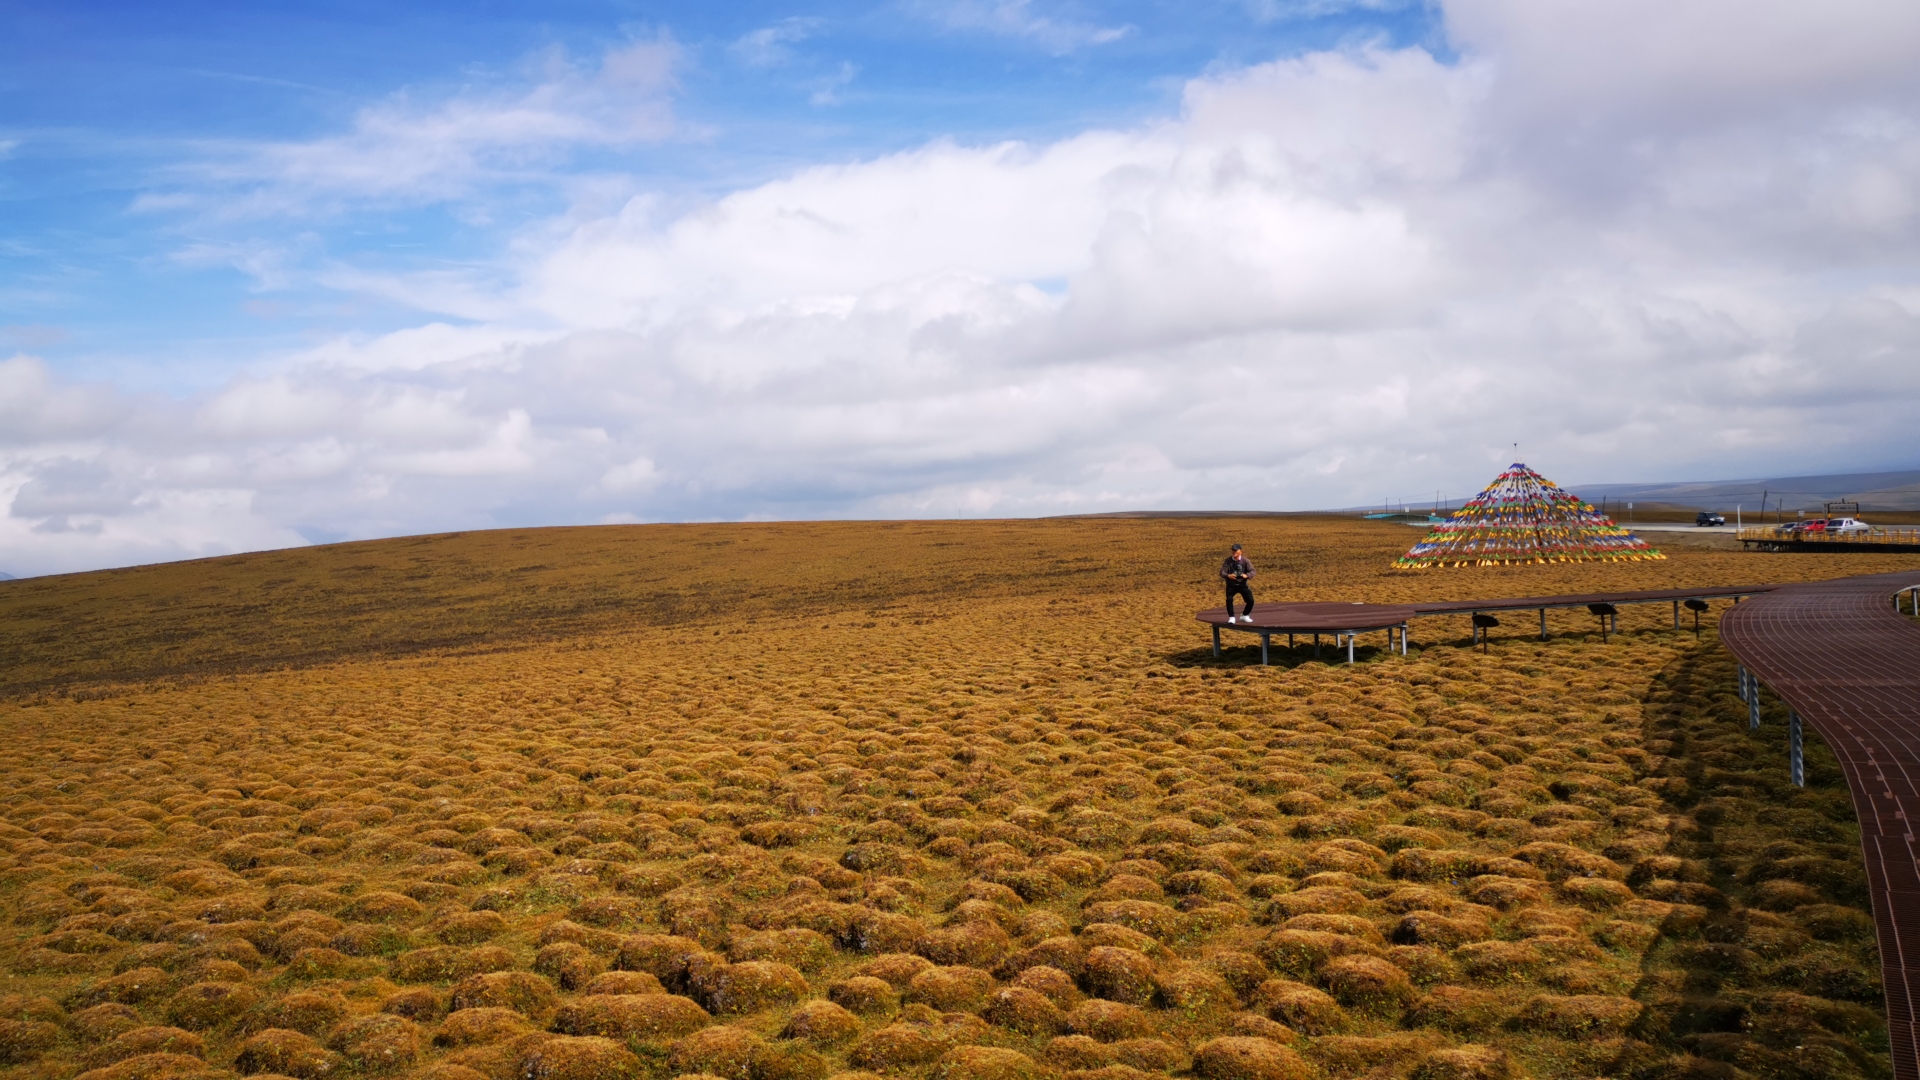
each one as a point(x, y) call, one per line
point(4, 576)
point(1874, 491)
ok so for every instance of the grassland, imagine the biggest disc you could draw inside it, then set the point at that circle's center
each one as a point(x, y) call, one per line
point(957, 801)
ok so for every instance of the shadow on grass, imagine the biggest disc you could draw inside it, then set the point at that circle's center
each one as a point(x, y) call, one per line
point(1279, 656)
point(1767, 964)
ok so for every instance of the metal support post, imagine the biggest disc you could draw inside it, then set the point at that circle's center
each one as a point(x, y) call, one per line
point(1796, 753)
point(1350, 636)
point(1753, 706)
point(1263, 647)
point(1543, 624)
point(1404, 628)
point(1216, 643)
point(1741, 671)
point(1316, 644)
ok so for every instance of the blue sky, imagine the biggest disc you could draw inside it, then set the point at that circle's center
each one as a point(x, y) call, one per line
point(111, 108)
point(274, 274)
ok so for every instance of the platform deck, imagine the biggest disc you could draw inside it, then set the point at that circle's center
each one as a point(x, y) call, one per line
point(1346, 620)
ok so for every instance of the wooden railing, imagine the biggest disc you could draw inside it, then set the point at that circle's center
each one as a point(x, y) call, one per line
point(1875, 534)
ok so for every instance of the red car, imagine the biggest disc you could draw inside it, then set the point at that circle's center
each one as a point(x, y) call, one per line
point(1831, 526)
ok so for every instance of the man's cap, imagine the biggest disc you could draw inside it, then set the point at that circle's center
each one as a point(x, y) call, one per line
point(1236, 547)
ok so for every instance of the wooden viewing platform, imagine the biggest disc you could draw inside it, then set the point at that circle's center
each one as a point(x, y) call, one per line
point(1843, 658)
point(1876, 538)
point(1346, 621)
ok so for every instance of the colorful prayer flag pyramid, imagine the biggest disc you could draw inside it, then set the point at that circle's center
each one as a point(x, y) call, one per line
point(1523, 518)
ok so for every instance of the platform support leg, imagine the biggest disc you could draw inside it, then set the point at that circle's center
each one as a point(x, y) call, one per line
point(1350, 636)
point(1263, 649)
point(1406, 631)
point(1796, 752)
point(1753, 705)
point(1216, 643)
point(1316, 644)
point(1741, 681)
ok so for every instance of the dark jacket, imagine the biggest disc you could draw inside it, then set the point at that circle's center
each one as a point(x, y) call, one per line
point(1235, 564)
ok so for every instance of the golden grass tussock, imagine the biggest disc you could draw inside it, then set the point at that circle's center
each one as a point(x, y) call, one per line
point(949, 801)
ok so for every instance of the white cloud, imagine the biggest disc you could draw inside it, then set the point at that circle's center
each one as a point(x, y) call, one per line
point(771, 46)
point(423, 147)
point(638, 474)
point(1277, 10)
point(1666, 67)
point(1019, 19)
point(826, 89)
point(1328, 280)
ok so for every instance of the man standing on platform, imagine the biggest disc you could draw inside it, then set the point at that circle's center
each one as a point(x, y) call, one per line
point(1236, 571)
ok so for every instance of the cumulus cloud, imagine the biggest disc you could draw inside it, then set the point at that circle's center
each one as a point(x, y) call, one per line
point(1327, 280)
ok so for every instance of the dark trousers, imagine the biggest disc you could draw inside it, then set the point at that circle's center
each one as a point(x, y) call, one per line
point(1240, 589)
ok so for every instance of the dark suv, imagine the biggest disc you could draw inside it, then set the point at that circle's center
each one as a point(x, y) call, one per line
point(1708, 517)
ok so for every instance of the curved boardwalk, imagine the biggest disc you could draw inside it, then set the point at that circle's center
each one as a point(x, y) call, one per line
point(1846, 663)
